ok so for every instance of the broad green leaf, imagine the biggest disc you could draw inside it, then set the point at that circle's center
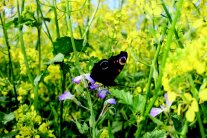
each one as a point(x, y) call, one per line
point(8, 117)
point(138, 103)
point(64, 45)
point(82, 128)
point(155, 134)
point(124, 97)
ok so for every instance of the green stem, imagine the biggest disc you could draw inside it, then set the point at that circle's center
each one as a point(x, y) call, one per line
point(36, 103)
point(153, 66)
point(22, 43)
point(170, 19)
point(184, 130)
point(163, 62)
point(56, 19)
point(39, 39)
point(198, 116)
point(48, 32)
point(69, 24)
point(11, 71)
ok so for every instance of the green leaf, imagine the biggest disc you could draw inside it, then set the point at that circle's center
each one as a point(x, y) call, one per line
point(64, 45)
point(155, 134)
point(82, 128)
point(7, 118)
point(37, 79)
point(124, 97)
point(7, 25)
point(138, 103)
point(58, 58)
point(177, 122)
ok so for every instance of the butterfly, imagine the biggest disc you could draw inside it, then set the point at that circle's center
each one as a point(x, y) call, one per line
point(106, 70)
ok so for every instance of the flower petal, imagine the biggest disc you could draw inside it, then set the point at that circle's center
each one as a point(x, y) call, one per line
point(77, 79)
point(66, 95)
point(102, 93)
point(155, 111)
point(94, 86)
point(168, 103)
point(111, 101)
point(88, 77)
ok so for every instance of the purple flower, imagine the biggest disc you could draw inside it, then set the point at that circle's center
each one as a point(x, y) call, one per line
point(78, 79)
point(111, 101)
point(94, 86)
point(88, 77)
point(66, 95)
point(156, 111)
point(102, 92)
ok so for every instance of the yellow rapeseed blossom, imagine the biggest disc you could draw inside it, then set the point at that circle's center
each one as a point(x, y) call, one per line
point(54, 74)
point(203, 95)
point(43, 128)
point(32, 57)
point(104, 134)
point(193, 108)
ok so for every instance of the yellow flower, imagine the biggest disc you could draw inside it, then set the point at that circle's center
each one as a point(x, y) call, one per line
point(43, 128)
point(203, 95)
point(192, 109)
point(54, 73)
point(172, 96)
point(104, 134)
point(190, 115)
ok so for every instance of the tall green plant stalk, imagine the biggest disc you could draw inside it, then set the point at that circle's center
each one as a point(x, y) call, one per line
point(39, 40)
point(56, 19)
point(22, 41)
point(184, 129)
point(42, 16)
point(152, 68)
point(31, 79)
point(77, 63)
point(198, 116)
point(11, 71)
point(170, 19)
point(163, 62)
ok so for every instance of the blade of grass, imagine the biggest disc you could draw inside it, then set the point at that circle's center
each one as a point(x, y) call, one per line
point(31, 79)
point(170, 19)
point(11, 71)
point(163, 62)
point(77, 63)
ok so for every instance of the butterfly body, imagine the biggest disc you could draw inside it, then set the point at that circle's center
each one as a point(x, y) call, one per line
point(106, 70)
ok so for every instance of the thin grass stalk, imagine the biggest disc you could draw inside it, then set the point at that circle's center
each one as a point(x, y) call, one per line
point(22, 42)
point(56, 19)
point(42, 16)
point(198, 116)
point(170, 19)
point(77, 63)
point(36, 103)
point(184, 130)
point(91, 20)
point(153, 66)
point(163, 62)
point(11, 71)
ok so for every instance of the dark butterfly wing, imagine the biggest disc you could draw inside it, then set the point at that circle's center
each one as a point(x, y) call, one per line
point(106, 71)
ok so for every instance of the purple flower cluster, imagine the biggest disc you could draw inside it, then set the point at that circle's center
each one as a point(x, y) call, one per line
point(102, 92)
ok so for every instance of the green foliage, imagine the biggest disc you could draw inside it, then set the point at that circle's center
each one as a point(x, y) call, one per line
point(155, 134)
point(64, 45)
point(45, 44)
